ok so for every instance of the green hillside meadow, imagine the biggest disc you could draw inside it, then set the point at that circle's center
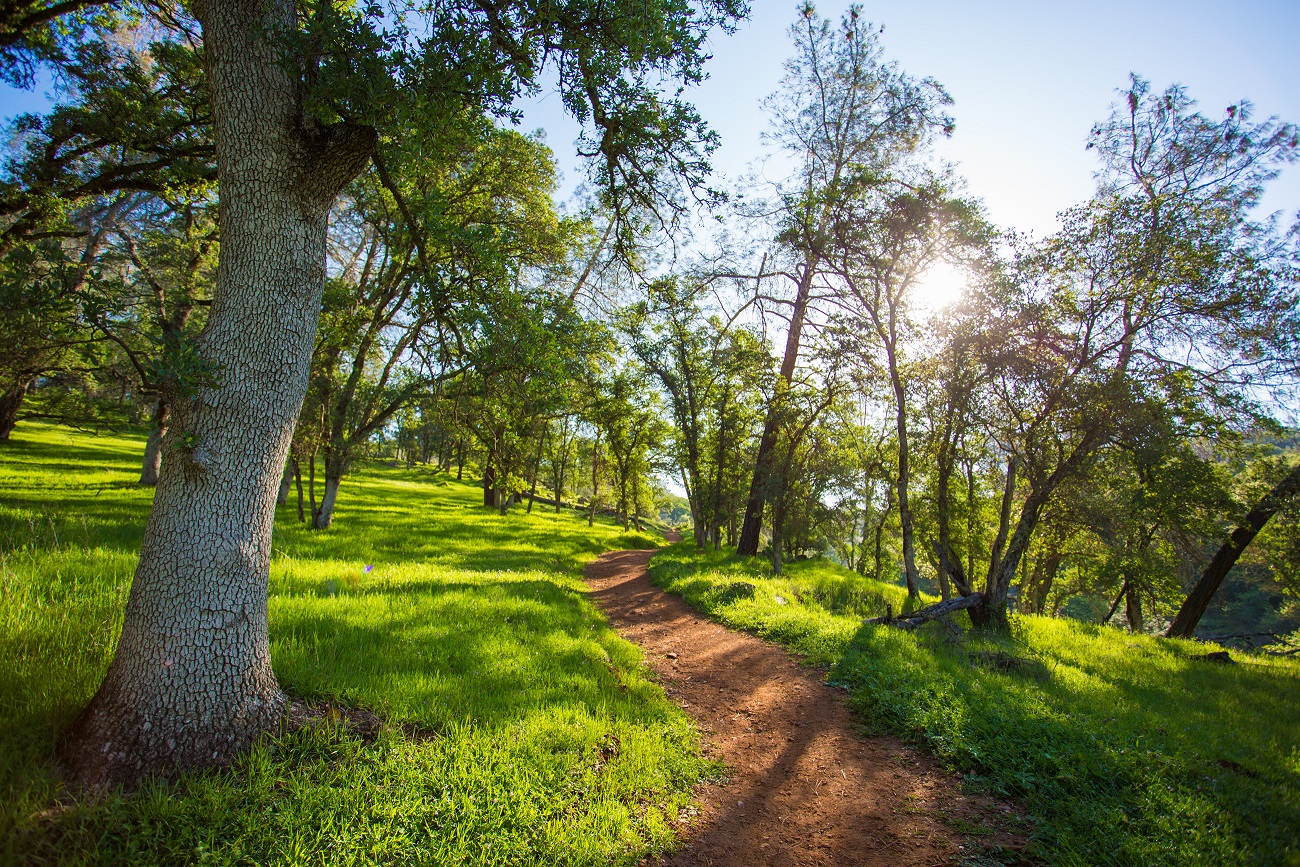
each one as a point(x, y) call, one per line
point(520, 729)
point(1122, 748)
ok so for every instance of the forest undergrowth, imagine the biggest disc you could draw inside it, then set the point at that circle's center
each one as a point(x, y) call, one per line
point(1123, 748)
point(519, 729)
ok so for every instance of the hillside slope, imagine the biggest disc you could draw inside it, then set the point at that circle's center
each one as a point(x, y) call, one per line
point(519, 728)
point(1123, 748)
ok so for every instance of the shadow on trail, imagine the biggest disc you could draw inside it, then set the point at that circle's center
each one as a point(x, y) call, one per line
point(803, 788)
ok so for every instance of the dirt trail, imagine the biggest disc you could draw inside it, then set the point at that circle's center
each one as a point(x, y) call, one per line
point(804, 789)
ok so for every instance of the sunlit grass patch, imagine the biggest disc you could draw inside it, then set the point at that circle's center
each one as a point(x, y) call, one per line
point(1123, 749)
point(520, 728)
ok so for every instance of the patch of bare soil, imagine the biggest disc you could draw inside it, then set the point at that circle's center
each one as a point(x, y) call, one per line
point(803, 787)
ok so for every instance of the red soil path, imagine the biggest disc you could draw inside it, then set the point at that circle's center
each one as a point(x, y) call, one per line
point(803, 787)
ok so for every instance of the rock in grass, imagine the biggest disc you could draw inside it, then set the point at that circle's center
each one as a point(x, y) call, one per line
point(998, 660)
point(1219, 656)
point(738, 590)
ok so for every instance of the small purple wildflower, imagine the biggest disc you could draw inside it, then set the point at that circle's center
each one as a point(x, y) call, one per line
point(368, 569)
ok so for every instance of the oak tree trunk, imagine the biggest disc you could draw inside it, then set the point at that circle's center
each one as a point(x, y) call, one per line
point(286, 482)
point(325, 514)
point(191, 684)
point(1184, 625)
point(489, 484)
point(11, 400)
point(1133, 609)
point(297, 482)
point(992, 612)
point(153, 445)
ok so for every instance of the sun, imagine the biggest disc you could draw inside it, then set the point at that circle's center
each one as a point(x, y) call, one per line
point(939, 287)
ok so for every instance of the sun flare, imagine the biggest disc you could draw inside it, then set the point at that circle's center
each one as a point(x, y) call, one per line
point(939, 288)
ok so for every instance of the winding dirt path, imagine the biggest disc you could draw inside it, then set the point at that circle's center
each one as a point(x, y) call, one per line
point(804, 789)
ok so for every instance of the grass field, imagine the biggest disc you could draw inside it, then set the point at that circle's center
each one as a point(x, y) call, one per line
point(521, 729)
point(1122, 749)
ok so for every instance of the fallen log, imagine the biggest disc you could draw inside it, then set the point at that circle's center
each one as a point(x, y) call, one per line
point(937, 611)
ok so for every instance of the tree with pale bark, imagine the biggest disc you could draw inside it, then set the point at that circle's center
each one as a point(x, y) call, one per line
point(299, 97)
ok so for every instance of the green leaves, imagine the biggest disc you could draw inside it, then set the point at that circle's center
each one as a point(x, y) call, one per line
point(179, 370)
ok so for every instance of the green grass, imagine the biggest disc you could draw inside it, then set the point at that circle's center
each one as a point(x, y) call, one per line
point(538, 736)
point(1122, 749)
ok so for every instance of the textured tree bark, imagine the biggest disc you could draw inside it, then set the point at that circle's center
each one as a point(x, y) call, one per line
point(286, 481)
point(1051, 565)
point(325, 515)
point(191, 683)
point(489, 484)
point(1004, 522)
point(1184, 625)
point(1133, 609)
point(297, 483)
point(992, 612)
point(10, 402)
point(153, 445)
point(752, 525)
point(335, 469)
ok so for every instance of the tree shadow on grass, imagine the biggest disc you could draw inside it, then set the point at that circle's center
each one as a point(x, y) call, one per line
point(439, 653)
point(1117, 764)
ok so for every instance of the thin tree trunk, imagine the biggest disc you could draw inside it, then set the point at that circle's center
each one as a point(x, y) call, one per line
point(152, 461)
point(335, 467)
point(311, 487)
point(489, 484)
point(10, 402)
point(879, 552)
point(1119, 597)
point(760, 488)
point(904, 479)
point(1193, 607)
point(993, 611)
point(1051, 566)
point(191, 684)
point(636, 502)
point(699, 524)
point(1004, 524)
point(778, 522)
point(537, 468)
point(595, 479)
point(297, 480)
point(560, 461)
point(970, 521)
point(325, 516)
point(752, 525)
point(943, 506)
point(286, 481)
point(1133, 609)
point(622, 500)
point(719, 461)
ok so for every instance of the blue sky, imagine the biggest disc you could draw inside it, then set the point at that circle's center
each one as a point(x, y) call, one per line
point(1028, 79)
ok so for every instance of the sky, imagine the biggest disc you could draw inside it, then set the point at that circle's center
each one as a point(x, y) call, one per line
point(1028, 80)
